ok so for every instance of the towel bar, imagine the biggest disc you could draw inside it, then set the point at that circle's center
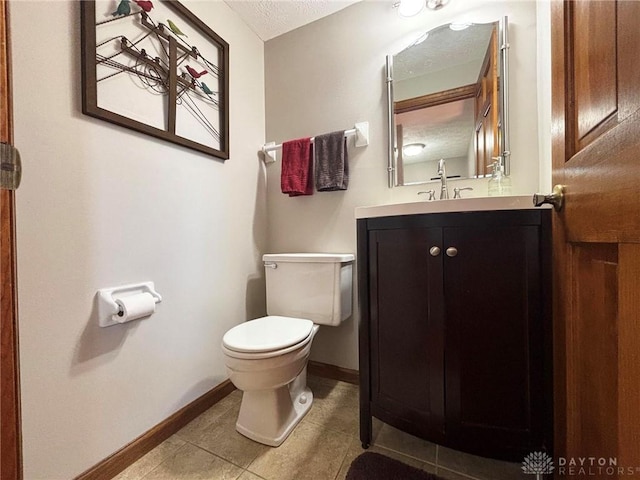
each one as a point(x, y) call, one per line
point(360, 131)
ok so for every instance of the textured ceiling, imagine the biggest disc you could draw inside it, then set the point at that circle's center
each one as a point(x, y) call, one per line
point(446, 130)
point(270, 18)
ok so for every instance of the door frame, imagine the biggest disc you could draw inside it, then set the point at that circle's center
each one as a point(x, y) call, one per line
point(10, 431)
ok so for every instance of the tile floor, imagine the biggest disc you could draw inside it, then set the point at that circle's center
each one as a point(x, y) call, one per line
point(321, 447)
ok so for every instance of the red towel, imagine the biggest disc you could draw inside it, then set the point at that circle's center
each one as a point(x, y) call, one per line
point(297, 167)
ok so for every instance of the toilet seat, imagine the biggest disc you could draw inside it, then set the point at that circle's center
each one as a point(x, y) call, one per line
point(267, 334)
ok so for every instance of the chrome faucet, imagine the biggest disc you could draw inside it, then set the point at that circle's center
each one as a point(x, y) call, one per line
point(431, 194)
point(456, 191)
point(442, 173)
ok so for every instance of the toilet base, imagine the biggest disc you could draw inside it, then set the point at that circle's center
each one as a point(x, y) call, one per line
point(269, 416)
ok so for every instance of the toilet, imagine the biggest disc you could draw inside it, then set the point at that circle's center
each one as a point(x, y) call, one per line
point(267, 357)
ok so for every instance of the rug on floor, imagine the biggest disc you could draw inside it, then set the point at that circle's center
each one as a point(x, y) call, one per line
point(373, 466)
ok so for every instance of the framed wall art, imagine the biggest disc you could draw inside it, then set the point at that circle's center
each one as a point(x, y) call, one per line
point(154, 67)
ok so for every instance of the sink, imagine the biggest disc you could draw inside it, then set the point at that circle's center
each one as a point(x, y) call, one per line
point(478, 204)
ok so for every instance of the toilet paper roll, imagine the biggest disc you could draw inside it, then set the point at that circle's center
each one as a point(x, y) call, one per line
point(135, 306)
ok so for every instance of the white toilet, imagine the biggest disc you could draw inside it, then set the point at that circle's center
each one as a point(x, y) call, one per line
point(267, 358)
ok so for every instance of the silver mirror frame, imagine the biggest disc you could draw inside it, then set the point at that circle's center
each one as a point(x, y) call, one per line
point(503, 101)
point(391, 144)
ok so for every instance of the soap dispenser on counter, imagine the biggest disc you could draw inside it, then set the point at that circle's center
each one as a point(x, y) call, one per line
point(499, 183)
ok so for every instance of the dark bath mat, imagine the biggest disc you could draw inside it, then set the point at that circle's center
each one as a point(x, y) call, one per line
point(373, 466)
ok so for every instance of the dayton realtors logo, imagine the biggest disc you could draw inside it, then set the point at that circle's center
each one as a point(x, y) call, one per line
point(539, 464)
point(594, 466)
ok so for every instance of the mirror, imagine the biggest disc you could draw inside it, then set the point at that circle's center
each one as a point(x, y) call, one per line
point(446, 95)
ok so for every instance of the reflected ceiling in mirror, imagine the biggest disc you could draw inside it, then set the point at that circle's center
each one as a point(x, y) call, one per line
point(445, 130)
point(445, 59)
point(445, 95)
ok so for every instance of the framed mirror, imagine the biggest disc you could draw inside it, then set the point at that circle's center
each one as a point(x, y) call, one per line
point(447, 96)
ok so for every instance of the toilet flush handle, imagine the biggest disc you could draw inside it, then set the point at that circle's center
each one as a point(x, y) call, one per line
point(270, 265)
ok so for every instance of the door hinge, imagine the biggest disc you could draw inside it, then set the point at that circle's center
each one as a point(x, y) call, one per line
point(10, 167)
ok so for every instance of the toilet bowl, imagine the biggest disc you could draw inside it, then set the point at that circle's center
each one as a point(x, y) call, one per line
point(267, 357)
point(273, 380)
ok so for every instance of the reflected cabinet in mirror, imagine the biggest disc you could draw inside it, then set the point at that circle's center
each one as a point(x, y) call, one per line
point(447, 98)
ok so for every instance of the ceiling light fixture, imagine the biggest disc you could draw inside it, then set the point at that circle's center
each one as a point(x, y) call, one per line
point(456, 27)
point(409, 8)
point(436, 4)
point(421, 39)
point(413, 149)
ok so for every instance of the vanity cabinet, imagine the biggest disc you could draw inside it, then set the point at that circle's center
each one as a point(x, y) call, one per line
point(455, 337)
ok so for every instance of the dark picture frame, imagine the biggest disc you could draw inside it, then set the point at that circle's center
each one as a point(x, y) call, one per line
point(144, 71)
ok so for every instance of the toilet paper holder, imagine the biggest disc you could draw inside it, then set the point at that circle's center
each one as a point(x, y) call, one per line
point(107, 306)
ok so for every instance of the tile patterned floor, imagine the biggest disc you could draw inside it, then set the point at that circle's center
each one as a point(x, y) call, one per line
point(321, 447)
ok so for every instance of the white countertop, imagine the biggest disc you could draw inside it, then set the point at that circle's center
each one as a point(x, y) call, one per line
point(478, 204)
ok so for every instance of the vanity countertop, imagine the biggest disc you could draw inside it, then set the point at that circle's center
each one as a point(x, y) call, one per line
point(478, 204)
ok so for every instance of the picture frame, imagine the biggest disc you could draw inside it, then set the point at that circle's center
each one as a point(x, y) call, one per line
point(154, 67)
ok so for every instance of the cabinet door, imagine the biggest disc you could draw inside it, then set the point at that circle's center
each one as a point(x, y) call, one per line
point(494, 346)
point(407, 383)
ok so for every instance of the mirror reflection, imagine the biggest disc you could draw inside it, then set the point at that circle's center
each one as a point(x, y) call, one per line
point(446, 101)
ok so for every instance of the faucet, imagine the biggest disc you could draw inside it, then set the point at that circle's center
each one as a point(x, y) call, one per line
point(442, 173)
point(456, 191)
point(431, 194)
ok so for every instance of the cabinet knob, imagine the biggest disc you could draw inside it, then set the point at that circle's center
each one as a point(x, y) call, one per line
point(434, 251)
point(452, 251)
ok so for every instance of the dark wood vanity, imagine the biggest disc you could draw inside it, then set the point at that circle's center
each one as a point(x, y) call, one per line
point(455, 329)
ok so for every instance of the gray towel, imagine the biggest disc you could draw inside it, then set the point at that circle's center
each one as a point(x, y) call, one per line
point(332, 162)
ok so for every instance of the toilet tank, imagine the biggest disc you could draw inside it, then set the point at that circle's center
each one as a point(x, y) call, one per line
point(316, 286)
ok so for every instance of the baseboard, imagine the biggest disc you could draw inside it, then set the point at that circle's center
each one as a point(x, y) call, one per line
point(333, 372)
point(127, 455)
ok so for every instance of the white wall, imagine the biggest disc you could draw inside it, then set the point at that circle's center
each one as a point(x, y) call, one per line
point(330, 74)
point(101, 206)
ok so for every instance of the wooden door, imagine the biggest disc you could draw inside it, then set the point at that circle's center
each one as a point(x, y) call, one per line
point(496, 355)
point(407, 357)
point(596, 156)
point(10, 448)
point(486, 109)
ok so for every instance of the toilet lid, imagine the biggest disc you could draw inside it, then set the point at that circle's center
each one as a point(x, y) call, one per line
point(267, 334)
